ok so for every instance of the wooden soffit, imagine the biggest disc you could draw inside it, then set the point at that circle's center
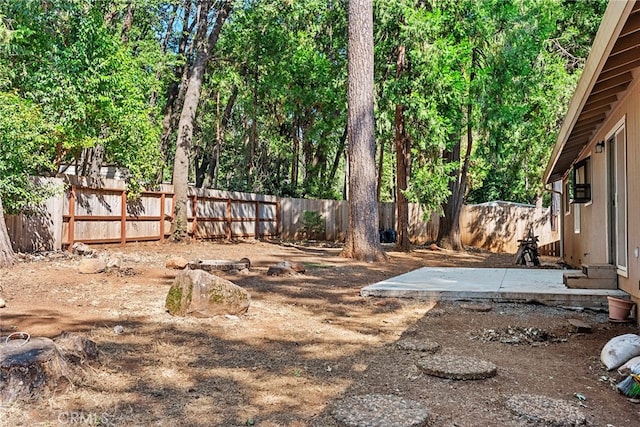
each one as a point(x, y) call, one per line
point(612, 65)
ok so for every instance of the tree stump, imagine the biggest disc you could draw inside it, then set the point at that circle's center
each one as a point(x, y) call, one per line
point(27, 366)
point(30, 366)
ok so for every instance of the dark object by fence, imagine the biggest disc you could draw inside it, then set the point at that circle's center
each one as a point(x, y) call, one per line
point(528, 251)
point(388, 236)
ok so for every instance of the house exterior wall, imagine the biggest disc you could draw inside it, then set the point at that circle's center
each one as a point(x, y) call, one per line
point(591, 244)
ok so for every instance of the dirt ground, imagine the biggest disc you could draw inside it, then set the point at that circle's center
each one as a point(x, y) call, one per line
point(306, 342)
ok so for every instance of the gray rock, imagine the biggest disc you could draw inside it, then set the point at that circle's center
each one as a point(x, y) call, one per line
point(3, 304)
point(82, 249)
point(114, 262)
point(200, 294)
point(580, 325)
point(92, 266)
point(285, 268)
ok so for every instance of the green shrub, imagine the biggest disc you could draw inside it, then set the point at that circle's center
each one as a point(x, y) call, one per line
point(312, 225)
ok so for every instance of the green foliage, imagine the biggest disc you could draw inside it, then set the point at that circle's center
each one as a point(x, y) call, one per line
point(69, 82)
point(312, 224)
point(288, 62)
point(526, 56)
point(27, 150)
point(526, 89)
point(88, 85)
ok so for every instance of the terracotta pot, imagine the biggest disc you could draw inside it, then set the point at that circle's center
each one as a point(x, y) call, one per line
point(619, 309)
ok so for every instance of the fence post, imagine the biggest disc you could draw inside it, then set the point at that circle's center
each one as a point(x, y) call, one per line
point(229, 231)
point(257, 233)
point(194, 208)
point(123, 218)
point(72, 217)
point(162, 202)
point(278, 219)
point(173, 210)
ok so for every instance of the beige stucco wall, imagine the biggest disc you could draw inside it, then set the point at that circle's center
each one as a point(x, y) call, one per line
point(590, 246)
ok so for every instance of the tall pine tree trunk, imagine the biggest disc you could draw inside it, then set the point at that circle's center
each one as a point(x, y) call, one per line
point(363, 241)
point(7, 256)
point(449, 236)
point(403, 165)
point(175, 91)
point(187, 117)
point(380, 169)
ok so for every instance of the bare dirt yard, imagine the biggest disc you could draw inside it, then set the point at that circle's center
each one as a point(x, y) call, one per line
point(306, 342)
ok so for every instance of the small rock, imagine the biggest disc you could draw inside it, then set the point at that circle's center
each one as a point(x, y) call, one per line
point(176, 263)
point(82, 249)
point(284, 268)
point(118, 329)
point(580, 325)
point(92, 266)
point(3, 304)
point(114, 262)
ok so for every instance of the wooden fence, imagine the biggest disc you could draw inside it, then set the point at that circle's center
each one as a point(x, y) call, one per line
point(497, 226)
point(99, 211)
point(215, 214)
point(103, 214)
point(41, 230)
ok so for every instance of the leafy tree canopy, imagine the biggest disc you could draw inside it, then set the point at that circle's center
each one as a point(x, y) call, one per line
point(80, 74)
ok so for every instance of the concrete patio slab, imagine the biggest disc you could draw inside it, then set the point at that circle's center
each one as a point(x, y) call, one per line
point(493, 284)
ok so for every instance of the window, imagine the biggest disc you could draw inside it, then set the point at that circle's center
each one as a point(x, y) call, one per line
point(581, 182)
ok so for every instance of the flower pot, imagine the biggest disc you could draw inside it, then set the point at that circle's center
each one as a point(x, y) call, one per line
point(619, 309)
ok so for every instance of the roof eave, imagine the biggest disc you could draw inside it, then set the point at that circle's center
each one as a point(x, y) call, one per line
point(612, 22)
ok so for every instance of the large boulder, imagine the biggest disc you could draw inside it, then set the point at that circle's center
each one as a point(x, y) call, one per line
point(200, 294)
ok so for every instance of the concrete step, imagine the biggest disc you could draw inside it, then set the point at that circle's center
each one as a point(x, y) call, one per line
point(581, 281)
point(600, 271)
